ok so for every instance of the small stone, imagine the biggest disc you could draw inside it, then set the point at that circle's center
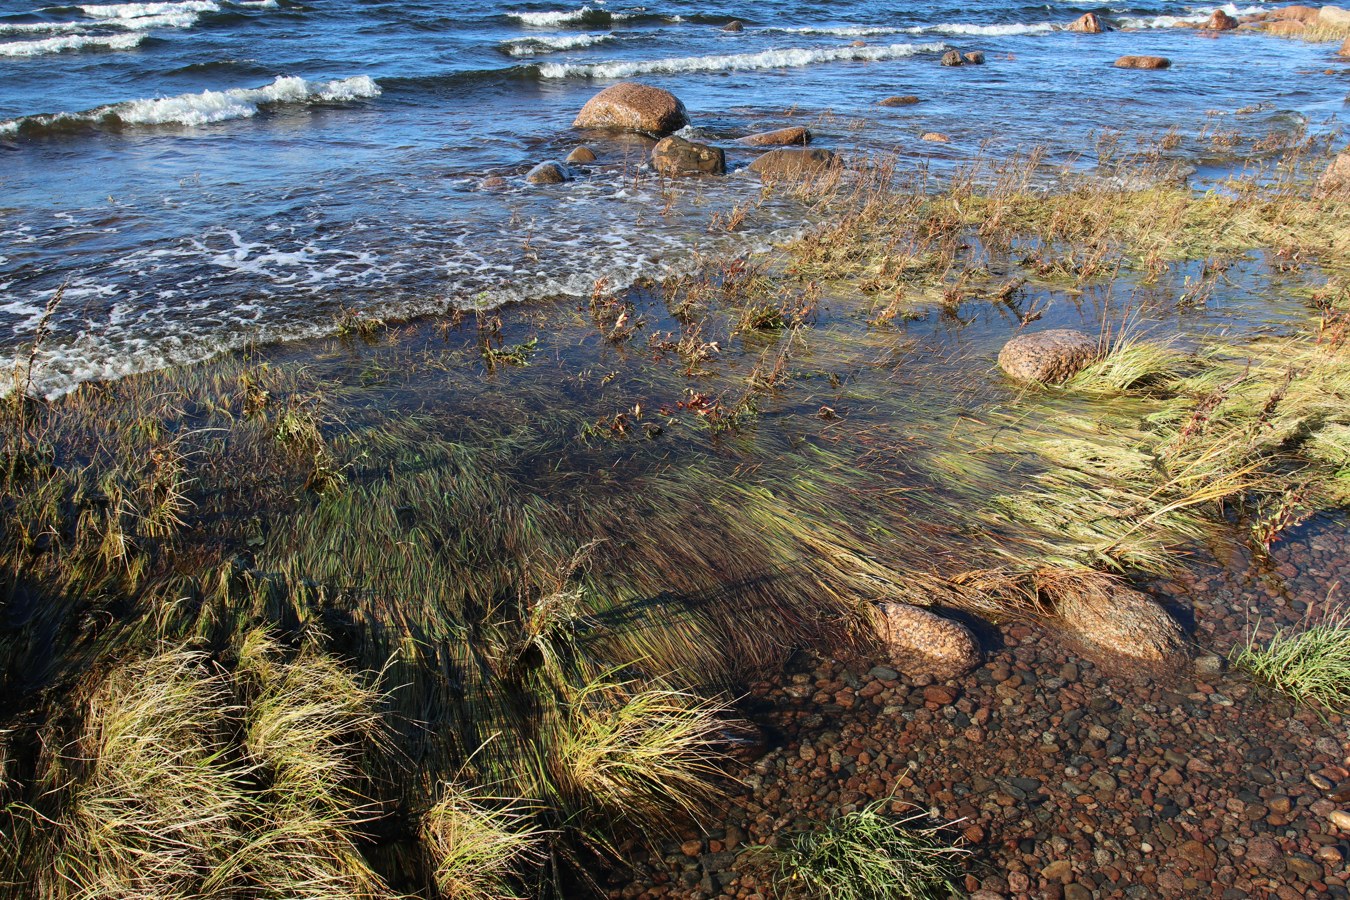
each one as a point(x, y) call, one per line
point(883, 673)
point(1302, 868)
point(1320, 782)
point(1103, 781)
point(1143, 62)
point(974, 57)
point(1330, 855)
point(1209, 664)
point(1171, 777)
point(580, 156)
point(691, 848)
point(1076, 891)
point(939, 694)
point(548, 173)
point(1060, 870)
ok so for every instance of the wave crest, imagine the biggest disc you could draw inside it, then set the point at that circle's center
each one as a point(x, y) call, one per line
point(767, 59)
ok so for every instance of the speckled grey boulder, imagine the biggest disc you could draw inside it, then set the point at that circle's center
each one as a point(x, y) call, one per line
point(548, 173)
point(923, 643)
point(1049, 357)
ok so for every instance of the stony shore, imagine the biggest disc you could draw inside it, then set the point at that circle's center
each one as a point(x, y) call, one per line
point(1064, 777)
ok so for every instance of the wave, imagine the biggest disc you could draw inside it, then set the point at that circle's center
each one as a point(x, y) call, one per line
point(555, 18)
point(205, 108)
point(142, 10)
point(943, 28)
point(71, 42)
point(768, 59)
point(552, 43)
point(1192, 19)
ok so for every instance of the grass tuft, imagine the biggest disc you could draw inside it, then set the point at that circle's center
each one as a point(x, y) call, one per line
point(1311, 666)
point(479, 845)
point(868, 855)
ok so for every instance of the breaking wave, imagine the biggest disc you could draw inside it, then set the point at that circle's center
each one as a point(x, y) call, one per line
point(553, 43)
point(71, 42)
point(767, 59)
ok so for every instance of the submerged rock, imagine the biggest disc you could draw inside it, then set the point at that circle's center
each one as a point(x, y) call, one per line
point(899, 100)
point(633, 106)
point(581, 156)
point(492, 183)
point(923, 643)
point(1143, 62)
point(783, 137)
point(1125, 621)
point(548, 173)
point(1220, 21)
point(974, 57)
point(936, 137)
point(793, 162)
point(1048, 357)
point(952, 58)
point(735, 26)
point(1087, 23)
point(675, 157)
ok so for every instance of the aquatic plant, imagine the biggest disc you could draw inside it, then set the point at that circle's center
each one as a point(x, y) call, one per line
point(1310, 664)
point(868, 854)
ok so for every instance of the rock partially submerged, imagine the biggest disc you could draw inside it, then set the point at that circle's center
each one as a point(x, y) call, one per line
point(580, 156)
point(1334, 16)
point(548, 173)
point(782, 137)
point(633, 106)
point(674, 157)
point(1048, 357)
point(1143, 62)
point(935, 137)
point(922, 643)
point(952, 58)
point(1337, 176)
point(1344, 52)
point(1285, 27)
point(1123, 621)
point(793, 162)
point(1087, 23)
point(1304, 14)
point(899, 100)
point(735, 26)
point(974, 57)
point(1219, 21)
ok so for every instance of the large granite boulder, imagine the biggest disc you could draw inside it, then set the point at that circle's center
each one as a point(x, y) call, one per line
point(632, 106)
point(1219, 21)
point(782, 137)
point(1120, 621)
point(1048, 357)
point(1087, 23)
point(1334, 16)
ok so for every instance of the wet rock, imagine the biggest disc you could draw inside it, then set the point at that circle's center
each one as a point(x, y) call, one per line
point(1340, 820)
point(1087, 23)
point(1209, 665)
point(674, 157)
point(492, 183)
point(935, 137)
point(1123, 621)
point(633, 106)
point(1060, 870)
point(1076, 891)
point(1337, 175)
point(735, 26)
point(1143, 62)
point(1302, 868)
point(1333, 17)
point(782, 137)
point(580, 156)
point(1285, 27)
point(952, 58)
point(1048, 357)
point(1219, 21)
point(791, 162)
point(1304, 14)
point(548, 173)
point(923, 643)
point(899, 100)
point(974, 57)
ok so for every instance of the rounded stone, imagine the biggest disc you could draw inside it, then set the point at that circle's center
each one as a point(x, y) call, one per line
point(923, 643)
point(581, 156)
point(1048, 357)
point(633, 106)
point(1087, 23)
point(675, 157)
point(782, 137)
point(793, 162)
point(548, 173)
point(1143, 62)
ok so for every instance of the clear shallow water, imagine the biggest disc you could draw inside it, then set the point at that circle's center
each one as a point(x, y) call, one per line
point(203, 174)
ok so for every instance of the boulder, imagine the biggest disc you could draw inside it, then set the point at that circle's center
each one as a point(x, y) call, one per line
point(548, 173)
point(1304, 14)
point(974, 57)
point(936, 137)
point(1048, 357)
point(1087, 23)
point(1219, 21)
point(1143, 62)
point(581, 156)
point(922, 643)
point(1285, 27)
point(1334, 17)
point(794, 162)
point(674, 157)
point(899, 100)
point(1122, 621)
point(1344, 52)
point(632, 106)
point(735, 26)
point(858, 44)
point(492, 183)
point(952, 58)
point(783, 137)
point(1337, 175)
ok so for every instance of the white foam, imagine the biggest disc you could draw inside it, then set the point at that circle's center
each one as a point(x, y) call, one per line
point(553, 43)
point(553, 19)
point(1194, 18)
point(140, 10)
point(70, 42)
point(733, 62)
point(985, 30)
point(215, 106)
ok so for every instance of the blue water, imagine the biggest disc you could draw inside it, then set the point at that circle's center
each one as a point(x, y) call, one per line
point(200, 175)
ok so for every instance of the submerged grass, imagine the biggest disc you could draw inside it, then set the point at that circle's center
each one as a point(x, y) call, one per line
point(1311, 664)
point(868, 854)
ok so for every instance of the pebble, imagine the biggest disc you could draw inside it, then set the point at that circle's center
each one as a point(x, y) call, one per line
point(1340, 819)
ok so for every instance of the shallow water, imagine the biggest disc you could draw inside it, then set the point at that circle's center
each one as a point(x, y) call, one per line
point(206, 174)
